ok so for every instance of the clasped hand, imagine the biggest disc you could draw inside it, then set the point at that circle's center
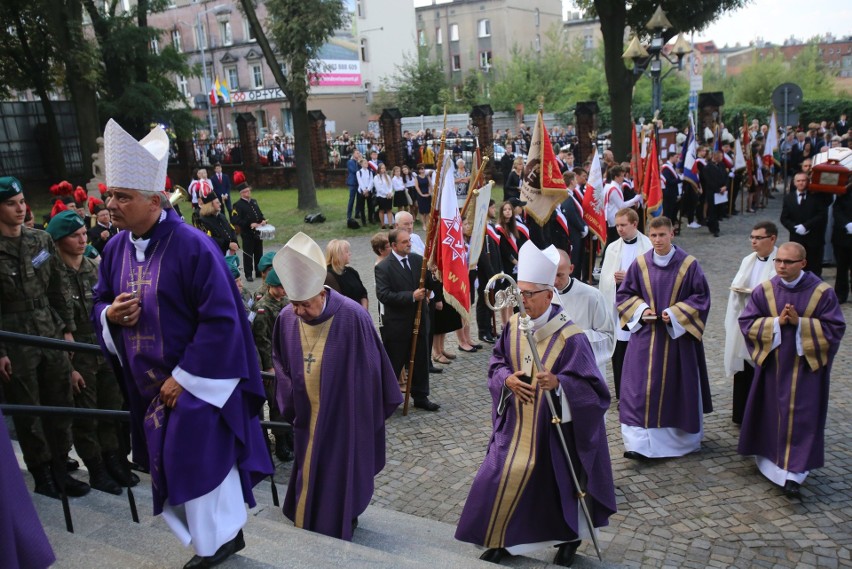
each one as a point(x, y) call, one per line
point(789, 315)
point(526, 392)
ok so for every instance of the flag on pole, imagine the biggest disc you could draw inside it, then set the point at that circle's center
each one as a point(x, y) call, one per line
point(636, 166)
point(480, 222)
point(739, 157)
point(593, 201)
point(652, 190)
point(451, 255)
point(689, 156)
point(771, 141)
point(749, 160)
point(222, 91)
point(214, 96)
point(542, 187)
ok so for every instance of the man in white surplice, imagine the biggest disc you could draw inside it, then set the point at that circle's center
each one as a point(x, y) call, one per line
point(755, 268)
point(586, 306)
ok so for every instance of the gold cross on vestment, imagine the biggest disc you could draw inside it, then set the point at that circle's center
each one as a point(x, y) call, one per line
point(139, 280)
point(138, 338)
point(309, 360)
point(154, 416)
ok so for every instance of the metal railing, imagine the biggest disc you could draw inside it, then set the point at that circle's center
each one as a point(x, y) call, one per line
point(100, 414)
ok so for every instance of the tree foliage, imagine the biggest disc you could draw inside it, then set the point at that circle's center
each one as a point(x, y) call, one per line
point(414, 87)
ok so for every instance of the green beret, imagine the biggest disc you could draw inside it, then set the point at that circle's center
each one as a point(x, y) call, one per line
point(91, 252)
point(265, 261)
point(233, 262)
point(9, 187)
point(64, 224)
point(272, 278)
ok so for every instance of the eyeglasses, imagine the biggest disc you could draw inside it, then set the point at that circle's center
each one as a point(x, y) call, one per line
point(759, 237)
point(787, 261)
point(528, 294)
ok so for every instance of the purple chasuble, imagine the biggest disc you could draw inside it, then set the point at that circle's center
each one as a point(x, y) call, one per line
point(23, 543)
point(337, 397)
point(662, 377)
point(523, 492)
point(785, 414)
point(192, 317)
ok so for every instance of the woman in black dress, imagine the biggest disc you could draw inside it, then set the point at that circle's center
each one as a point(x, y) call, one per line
point(510, 243)
point(341, 277)
point(512, 187)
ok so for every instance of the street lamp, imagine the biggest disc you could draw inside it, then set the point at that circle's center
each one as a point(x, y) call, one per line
point(650, 58)
point(202, 41)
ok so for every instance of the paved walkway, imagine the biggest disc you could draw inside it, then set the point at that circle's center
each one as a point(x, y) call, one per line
point(709, 509)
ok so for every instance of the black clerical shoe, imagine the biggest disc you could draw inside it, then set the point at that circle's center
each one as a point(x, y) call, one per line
point(633, 455)
point(792, 489)
point(494, 555)
point(435, 369)
point(227, 549)
point(426, 405)
point(565, 556)
point(487, 338)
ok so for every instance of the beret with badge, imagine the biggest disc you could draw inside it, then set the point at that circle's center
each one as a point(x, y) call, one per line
point(64, 224)
point(9, 187)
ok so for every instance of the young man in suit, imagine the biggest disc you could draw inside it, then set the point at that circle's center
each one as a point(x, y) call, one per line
point(222, 186)
point(805, 215)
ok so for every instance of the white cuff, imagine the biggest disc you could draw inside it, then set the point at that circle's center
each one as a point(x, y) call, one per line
point(849, 227)
point(635, 321)
point(674, 328)
point(107, 335)
point(215, 392)
point(776, 333)
point(565, 411)
point(800, 349)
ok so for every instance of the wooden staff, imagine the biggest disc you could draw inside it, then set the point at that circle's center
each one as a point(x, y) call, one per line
point(432, 227)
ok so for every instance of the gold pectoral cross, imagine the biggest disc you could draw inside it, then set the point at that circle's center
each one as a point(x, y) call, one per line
point(138, 280)
point(309, 360)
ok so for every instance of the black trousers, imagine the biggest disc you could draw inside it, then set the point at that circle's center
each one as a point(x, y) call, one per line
point(742, 385)
point(618, 365)
point(252, 252)
point(843, 255)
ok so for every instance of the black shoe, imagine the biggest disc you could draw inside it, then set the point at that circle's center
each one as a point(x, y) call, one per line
point(99, 478)
point(426, 405)
point(792, 489)
point(633, 455)
point(249, 278)
point(715, 234)
point(354, 525)
point(487, 338)
point(71, 465)
point(44, 483)
point(435, 369)
point(228, 549)
point(494, 555)
point(283, 453)
point(477, 346)
point(118, 468)
point(565, 556)
point(470, 351)
point(75, 488)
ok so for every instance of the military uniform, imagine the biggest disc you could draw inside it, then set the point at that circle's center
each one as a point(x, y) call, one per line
point(245, 213)
point(32, 302)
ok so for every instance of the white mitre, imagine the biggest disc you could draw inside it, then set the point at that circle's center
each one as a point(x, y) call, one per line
point(537, 266)
point(135, 165)
point(301, 266)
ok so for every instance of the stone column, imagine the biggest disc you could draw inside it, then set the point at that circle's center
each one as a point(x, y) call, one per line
point(482, 117)
point(319, 152)
point(391, 126)
point(586, 115)
point(709, 112)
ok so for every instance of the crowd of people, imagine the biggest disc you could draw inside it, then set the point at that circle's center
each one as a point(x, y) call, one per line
point(186, 342)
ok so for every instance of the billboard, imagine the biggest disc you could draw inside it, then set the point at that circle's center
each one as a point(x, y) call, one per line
point(340, 57)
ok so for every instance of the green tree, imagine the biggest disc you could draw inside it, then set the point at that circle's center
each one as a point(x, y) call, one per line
point(414, 86)
point(614, 16)
point(299, 29)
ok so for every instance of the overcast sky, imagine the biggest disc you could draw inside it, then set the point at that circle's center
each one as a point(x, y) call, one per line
point(773, 20)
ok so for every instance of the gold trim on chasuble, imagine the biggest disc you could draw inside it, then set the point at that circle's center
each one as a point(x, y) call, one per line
point(315, 338)
point(762, 330)
point(520, 460)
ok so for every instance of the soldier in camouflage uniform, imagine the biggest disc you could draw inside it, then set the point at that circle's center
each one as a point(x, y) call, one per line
point(32, 302)
point(263, 322)
point(264, 266)
point(93, 381)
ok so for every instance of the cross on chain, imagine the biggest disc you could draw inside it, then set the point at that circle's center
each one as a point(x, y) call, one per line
point(309, 360)
point(138, 280)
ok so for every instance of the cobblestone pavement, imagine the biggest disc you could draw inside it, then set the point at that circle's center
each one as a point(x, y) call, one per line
point(709, 509)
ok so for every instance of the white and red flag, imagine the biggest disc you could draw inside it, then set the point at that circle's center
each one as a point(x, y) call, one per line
point(451, 254)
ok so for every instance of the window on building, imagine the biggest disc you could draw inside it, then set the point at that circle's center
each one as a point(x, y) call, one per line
point(485, 60)
point(537, 42)
point(454, 32)
point(155, 46)
point(368, 87)
point(233, 78)
point(257, 76)
point(439, 36)
point(261, 121)
point(225, 32)
point(359, 8)
point(200, 37)
point(484, 28)
point(176, 43)
point(249, 31)
point(456, 62)
point(183, 85)
point(421, 38)
point(588, 41)
point(364, 49)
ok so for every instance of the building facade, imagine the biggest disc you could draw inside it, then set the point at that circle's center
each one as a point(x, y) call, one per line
point(468, 35)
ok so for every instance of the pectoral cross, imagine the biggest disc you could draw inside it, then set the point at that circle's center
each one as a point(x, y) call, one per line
point(134, 283)
point(309, 360)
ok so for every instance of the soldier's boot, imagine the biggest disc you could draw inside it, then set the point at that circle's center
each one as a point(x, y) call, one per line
point(44, 483)
point(75, 488)
point(119, 469)
point(99, 478)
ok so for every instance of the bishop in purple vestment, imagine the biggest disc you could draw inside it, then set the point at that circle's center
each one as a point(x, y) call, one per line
point(337, 387)
point(792, 327)
point(167, 309)
point(523, 496)
point(664, 301)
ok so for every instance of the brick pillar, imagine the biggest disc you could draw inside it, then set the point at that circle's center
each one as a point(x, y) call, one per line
point(247, 132)
point(709, 112)
point(391, 125)
point(319, 152)
point(482, 117)
point(586, 115)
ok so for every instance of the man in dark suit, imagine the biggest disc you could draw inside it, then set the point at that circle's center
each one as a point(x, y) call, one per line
point(841, 126)
point(397, 280)
point(714, 180)
point(842, 241)
point(222, 187)
point(102, 230)
point(352, 167)
point(805, 215)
